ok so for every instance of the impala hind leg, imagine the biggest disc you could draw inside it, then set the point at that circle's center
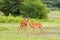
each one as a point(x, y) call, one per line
point(32, 30)
point(41, 28)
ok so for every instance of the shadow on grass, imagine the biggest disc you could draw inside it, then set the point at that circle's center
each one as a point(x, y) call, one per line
point(3, 29)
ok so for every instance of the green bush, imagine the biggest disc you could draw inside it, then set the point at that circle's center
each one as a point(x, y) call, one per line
point(31, 8)
point(34, 9)
point(7, 19)
point(17, 19)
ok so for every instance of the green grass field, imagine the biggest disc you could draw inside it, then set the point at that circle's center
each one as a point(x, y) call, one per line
point(9, 31)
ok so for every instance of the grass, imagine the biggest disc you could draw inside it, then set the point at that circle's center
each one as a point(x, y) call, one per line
point(12, 33)
point(3, 28)
point(9, 29)
point(15, 36)
point(23, 37)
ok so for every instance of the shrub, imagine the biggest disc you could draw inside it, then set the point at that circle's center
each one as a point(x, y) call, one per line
point(34, 9)
point(7, 19)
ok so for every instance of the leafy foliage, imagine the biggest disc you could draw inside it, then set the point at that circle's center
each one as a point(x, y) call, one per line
point(34, 9)
point(31, 8)
point(9, 19)
point(52, 4)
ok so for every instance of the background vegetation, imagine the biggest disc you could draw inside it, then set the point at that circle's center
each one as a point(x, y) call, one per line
point(29, 8)
point(52, 4)
point(12, 13)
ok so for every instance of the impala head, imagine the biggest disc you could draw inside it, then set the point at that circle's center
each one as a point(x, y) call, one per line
point(27, 19)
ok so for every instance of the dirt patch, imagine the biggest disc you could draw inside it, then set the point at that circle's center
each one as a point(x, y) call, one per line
point(46, 34)
point(51, 28)
point(53, 33)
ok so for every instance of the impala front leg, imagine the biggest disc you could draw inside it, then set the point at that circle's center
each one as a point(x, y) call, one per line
point(24, 29)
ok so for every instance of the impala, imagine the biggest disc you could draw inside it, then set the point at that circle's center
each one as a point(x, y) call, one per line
point(23, 24)
point(34, 25)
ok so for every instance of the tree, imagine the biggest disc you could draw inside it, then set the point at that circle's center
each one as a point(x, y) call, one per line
point(34, 9)
point(11, 6)
point(31, 8)
point(52, 4)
